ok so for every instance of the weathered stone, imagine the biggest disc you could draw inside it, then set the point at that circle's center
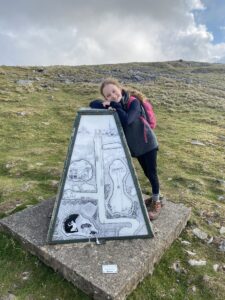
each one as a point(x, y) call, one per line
point(185, 242)
point(9, 296)
point(176, 266)
point(221, 198)
point(194, 262)
point(222, 246)
point(200, 234)
point(222, 230)
point(216, 267)
point(220, 181)
point(210, 240)
point(193, 288)
point(81, 263)
point(25, 275)
point(22, 113)
point(24, 82)
point(198, 143)
point(191, 253)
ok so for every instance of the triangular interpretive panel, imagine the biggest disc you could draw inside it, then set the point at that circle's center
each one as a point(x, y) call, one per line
point(99, 196)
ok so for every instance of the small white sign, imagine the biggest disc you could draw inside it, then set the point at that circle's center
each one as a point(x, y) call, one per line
point(109, 269)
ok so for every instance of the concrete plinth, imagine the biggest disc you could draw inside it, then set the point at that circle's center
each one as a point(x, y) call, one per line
point(81, 263)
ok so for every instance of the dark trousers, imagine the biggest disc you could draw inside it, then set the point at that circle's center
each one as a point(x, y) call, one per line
point(148, 162)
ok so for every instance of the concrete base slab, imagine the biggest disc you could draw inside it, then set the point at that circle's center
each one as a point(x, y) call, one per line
point(81, 263)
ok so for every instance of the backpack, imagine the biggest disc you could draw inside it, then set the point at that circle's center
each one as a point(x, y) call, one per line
point(148, 117)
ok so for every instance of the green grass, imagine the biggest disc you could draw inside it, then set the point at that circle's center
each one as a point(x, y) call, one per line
point(26, 277)
point(36, 122)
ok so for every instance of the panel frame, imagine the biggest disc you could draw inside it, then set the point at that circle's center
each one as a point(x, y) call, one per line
point(87, 111)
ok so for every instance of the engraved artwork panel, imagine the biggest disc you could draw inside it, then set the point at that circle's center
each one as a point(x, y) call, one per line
point(99, 198)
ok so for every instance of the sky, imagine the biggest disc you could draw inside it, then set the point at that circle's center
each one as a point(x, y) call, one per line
point(90, 32)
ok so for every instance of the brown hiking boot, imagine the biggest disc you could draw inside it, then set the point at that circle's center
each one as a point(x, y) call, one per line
point(148, 202)
point(154, 210)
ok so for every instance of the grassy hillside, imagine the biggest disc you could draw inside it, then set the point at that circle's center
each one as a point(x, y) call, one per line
point(37, 109)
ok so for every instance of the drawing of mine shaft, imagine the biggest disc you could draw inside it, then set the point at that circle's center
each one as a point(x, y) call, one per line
point(119, 203)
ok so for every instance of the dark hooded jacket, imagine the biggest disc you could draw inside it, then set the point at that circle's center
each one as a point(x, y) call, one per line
point(132, 125)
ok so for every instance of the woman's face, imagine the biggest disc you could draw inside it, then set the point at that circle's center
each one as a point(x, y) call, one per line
point(112, 93)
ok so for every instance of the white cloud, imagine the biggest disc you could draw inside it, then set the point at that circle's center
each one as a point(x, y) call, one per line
point(196, 4)
point(91, 32)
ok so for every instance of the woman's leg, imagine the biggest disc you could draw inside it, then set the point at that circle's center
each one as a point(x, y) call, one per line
point(148, 162)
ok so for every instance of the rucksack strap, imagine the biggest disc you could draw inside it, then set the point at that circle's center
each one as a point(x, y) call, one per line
point(131, 98)
point(146, 127)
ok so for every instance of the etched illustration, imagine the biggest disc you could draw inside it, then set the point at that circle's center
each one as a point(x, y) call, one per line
point(99, 198)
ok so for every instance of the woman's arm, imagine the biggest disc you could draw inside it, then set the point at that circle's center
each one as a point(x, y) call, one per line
point(99, 104)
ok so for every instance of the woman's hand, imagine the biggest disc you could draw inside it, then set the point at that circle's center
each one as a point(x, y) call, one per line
point(106, 103)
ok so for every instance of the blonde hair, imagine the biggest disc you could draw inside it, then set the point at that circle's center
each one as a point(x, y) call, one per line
point(140, 96)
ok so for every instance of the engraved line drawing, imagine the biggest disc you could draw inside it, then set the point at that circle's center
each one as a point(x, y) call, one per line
point(99, 198)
